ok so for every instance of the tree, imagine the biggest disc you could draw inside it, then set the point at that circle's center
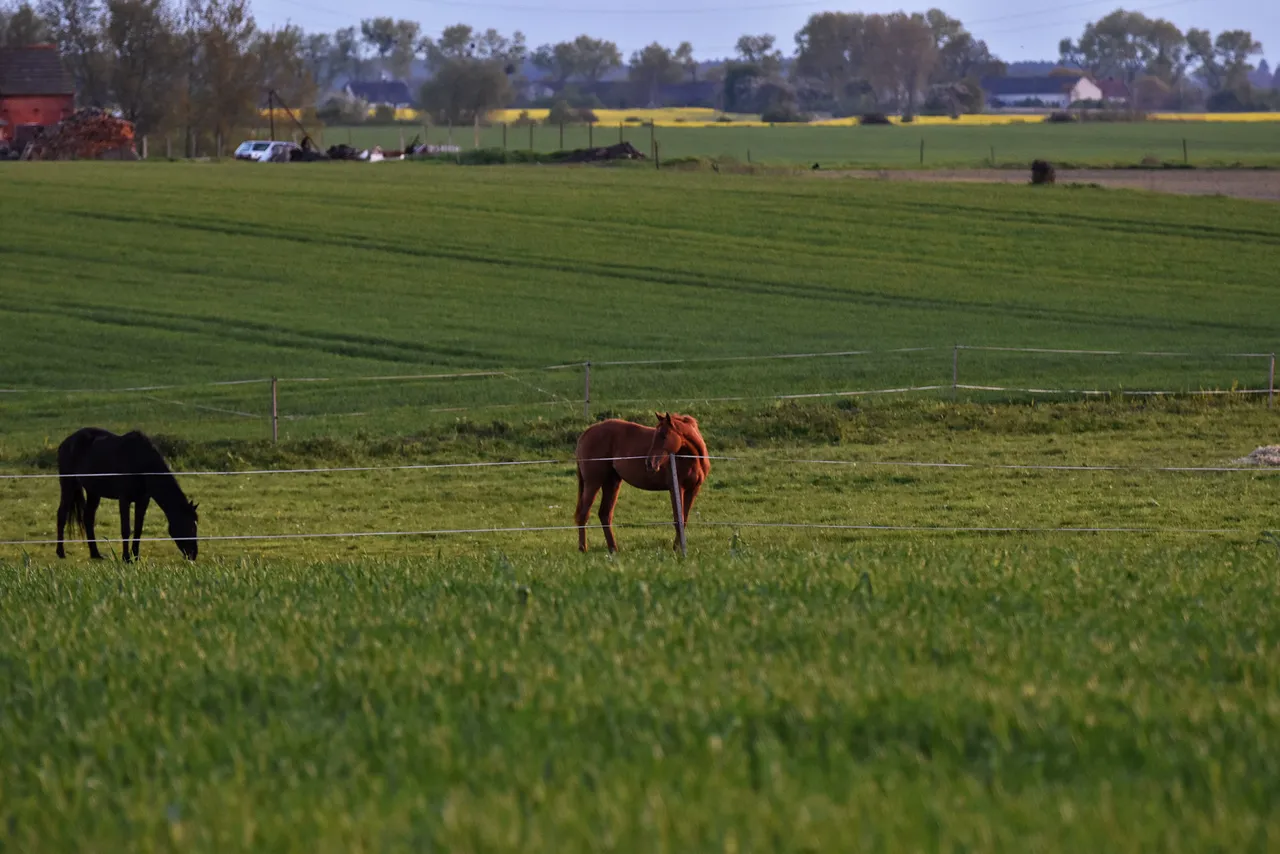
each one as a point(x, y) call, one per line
point(283, 67)
point(470, 73)
point(380, 35)
point(652, 67)
point(831, 49)
point(143, 54)
point(77, 28)
point(760, 52)
point(903, 53)
point(960, 55)
point(595, 58)
point(560, 61)
point(684, 57)
point(1127, 45)
point(317, 53)
point(346, 58)
point(223, 87)
point(1224, 61)
point(22, 26)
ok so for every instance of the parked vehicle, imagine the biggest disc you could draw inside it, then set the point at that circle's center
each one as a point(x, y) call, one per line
point(266, 151)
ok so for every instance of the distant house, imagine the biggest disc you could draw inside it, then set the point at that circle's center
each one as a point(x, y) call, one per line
point(1054, 90)
point(381, 93)
point(1114, 90)
point(36, 91)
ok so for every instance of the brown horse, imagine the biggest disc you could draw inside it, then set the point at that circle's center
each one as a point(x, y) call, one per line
point(614, 451)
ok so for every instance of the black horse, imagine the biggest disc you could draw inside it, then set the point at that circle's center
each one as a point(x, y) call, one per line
point(100, 464)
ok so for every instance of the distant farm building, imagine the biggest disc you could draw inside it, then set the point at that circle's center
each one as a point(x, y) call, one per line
point(36, 91)
point(381, 93)
point(1114, 90)
point(1055, 90)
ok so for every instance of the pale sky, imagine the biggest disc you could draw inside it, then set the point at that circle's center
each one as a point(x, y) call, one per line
point(1014, 31)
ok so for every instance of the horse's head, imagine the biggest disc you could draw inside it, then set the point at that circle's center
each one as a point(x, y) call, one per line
point(667, 439)
point(182, 528)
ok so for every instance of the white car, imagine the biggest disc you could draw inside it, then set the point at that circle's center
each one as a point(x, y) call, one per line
point(265, 151)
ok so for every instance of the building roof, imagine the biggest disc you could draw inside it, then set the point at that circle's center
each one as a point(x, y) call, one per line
point(1054, 84)
point(1113, 89)
point(34, 70)
point(381, 91)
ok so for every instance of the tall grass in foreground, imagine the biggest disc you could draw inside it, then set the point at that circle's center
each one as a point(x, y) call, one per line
point(925, 696)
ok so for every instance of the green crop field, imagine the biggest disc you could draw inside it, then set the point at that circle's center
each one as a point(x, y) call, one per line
point(891, 684)
point(1085, 144)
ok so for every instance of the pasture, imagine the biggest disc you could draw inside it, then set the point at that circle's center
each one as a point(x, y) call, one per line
point(958, 145)
point(890, 684)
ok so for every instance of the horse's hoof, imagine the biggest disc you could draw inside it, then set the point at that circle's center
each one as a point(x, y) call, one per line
point(61, 554)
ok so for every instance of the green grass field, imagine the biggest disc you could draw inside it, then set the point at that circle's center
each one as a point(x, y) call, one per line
point(779, 689)
point(1015, 146)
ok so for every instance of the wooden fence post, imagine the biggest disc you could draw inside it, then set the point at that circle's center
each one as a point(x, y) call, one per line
point(955, 371)
point(657, 156)
point(677, 508)
point(168, 146)
point(620, 139)
point(504, 136)
point(591, 134)
point(921, 151)
point(275, 411)
point(143, 153)
point(562, 136)
point(531, 136)
point(1271, 383)
point(586, 390)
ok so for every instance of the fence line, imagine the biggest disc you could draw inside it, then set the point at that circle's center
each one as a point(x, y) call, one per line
point(530, 529)
point(713, 457)
point(483, 372)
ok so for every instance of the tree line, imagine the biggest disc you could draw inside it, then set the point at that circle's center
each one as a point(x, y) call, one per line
point(203, 67)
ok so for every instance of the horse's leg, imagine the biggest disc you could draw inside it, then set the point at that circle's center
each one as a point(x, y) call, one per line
point(608, 501)
point(687, 494)
point(140, 513)
point(124, 529)
point(586, 497)
point(63, 510)
point(90, 511)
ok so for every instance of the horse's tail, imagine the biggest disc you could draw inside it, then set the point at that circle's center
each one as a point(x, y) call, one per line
point(73, 499)
point(70, 453)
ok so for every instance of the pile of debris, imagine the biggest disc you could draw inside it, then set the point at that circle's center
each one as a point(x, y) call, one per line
point(1267, 455)
point(89, 134)
point(621, 151)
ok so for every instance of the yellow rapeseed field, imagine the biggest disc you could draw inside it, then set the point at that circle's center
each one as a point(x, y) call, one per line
point(700, 117)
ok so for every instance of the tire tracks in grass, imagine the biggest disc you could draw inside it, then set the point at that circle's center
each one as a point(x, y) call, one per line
point(844, 296)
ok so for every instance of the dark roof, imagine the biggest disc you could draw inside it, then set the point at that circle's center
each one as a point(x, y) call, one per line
point(34, 71)
point(1113, 89)
point(1049, 85)
point(381, 91)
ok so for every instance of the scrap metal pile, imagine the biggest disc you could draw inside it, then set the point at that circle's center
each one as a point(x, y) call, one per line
point(88, 134)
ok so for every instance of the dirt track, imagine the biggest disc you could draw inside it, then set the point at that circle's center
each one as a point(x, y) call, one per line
point(1263, 185)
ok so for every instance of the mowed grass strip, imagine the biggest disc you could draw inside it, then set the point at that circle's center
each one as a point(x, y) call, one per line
point(126, 275)
point(890, 696)
point(960, 145)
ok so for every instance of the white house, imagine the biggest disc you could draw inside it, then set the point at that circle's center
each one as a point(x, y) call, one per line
point(1058, 90)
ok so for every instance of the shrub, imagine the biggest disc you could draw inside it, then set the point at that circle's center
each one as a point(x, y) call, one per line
point(384, 114)
point(523, 120)
point(908, 118)
point(727, 120)
point(586, 115)
point(783, 113)
point(561, 114)
point(1060, 117)
point(1042, 172)
point(874, 119)
point(342, 110)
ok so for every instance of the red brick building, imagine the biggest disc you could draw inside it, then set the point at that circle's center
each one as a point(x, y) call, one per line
point(35, 91)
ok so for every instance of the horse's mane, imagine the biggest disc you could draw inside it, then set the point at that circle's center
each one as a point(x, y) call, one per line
point(687, 427)
point(164, 486)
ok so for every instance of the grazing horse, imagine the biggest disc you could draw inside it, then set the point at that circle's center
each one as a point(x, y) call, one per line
point(100, 464)
point(613, 451)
